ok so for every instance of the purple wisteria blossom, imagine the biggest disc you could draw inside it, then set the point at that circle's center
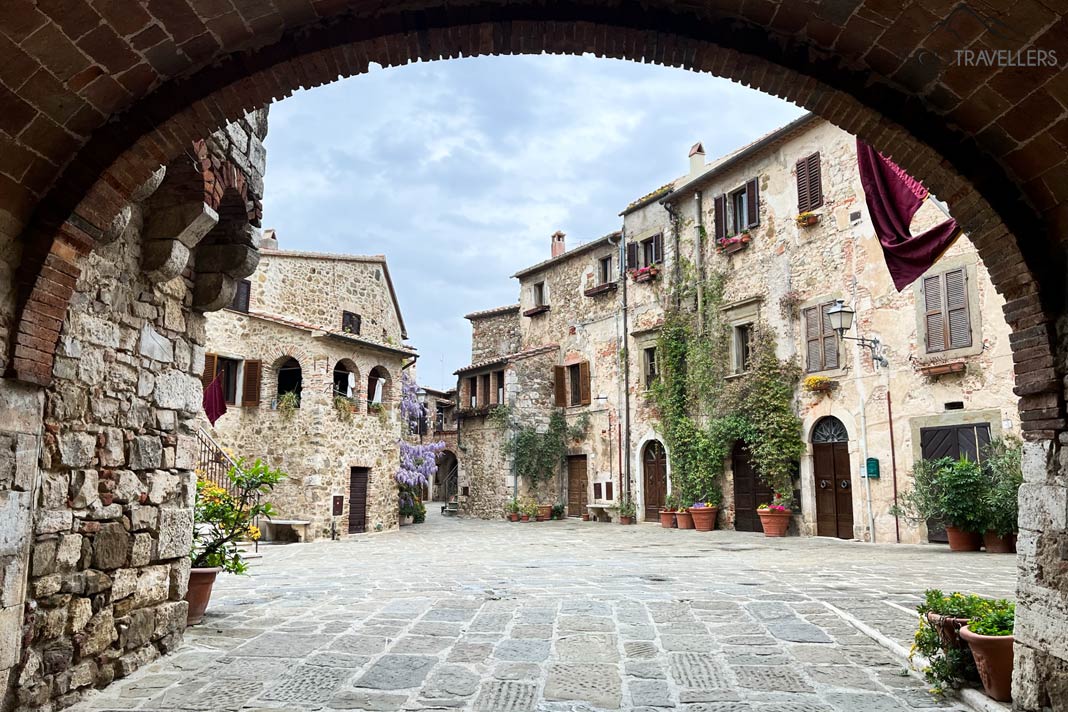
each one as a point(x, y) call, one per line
point(418, 461)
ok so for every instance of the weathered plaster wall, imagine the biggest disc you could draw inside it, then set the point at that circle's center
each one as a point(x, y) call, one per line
point(315, 446)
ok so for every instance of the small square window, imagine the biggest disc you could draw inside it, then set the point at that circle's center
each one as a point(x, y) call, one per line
point(350, 323)
point(539, 294)
point(604, 269)
point(743, 347)
point(241, 296)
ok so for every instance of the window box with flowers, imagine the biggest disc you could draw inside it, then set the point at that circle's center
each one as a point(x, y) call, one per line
point(734, 243)
point(807, 219)
point(819, 384)
point(645, 274)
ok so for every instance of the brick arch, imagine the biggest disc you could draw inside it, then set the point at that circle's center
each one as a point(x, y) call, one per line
point(218, 176)
point(868, 69)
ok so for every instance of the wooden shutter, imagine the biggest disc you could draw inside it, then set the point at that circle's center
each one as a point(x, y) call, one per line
point(752, 203)
point(957, 319)
point(719, 217)
point(658, 248)
point(802, 185)
point(491, 386)
point(211, 365)
point(809, 184)
point(632, 255)
point(584, 383)
point(813, 340)
point(250, 390)
point(560, 385)
point(933, 316)
point(830, 339)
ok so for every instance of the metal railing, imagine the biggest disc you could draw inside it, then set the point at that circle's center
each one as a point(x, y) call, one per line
point(213, 464)
point(452, 481)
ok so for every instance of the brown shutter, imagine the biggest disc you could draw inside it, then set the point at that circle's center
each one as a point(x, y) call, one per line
point(933, 316)
point(802, 186)
point(211, 366)
point(957, 319)
point(815, 183)
point(584, 382)
point(830, 339)
point(719, 217)
point(813, 352)
point(752, 201)
point(250, 391)
point(491, 386)
point(658, 248)
point(560, 385)
point(632, 255)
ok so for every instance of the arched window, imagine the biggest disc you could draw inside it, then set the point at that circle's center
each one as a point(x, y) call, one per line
point(346, 379)
point(290, 379)
point(377, 386)
point(829, 430)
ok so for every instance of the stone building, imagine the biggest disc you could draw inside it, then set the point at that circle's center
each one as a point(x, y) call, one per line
point(96, 508)
point(311, 353)
point(948, 385)
point(439, 425)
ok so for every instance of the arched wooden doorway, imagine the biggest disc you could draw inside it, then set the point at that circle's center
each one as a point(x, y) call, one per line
point(654, 478)
point(834, 483)
point(749, 491)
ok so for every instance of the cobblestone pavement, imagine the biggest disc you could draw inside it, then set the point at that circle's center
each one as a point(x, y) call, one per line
point(499, 617)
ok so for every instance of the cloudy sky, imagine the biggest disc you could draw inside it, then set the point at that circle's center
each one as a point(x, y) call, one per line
point(459, 171)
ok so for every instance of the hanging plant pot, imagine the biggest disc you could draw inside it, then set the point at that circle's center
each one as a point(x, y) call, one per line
point(960, 540)
point(993, 658)
point(683, 519)
point(198, 594)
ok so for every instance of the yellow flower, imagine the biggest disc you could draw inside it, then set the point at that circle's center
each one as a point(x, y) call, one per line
point(253, 532)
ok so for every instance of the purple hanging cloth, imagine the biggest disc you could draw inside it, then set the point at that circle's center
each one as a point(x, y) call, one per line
point(893, 197)
point(214, 400)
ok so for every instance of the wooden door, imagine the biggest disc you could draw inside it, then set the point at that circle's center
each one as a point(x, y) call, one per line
point(834, 490)
point(358, 499)
point(577, 483)
point(654, 479)
point(749, 491)
point(954, 442)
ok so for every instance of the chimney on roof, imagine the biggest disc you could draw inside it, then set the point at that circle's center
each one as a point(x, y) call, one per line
point(697, 159)
point(558, 243)
point(269, 240)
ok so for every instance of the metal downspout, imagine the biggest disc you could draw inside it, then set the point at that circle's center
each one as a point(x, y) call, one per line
point(626, 361)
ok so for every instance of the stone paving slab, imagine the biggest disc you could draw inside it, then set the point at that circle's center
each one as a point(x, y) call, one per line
point(560, 617)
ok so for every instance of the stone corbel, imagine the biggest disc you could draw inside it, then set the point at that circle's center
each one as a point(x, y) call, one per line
point(170, 234)
point(213, 290)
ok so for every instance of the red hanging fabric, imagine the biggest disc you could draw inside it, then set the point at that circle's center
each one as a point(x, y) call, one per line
point(214, 400)
point(893, 197)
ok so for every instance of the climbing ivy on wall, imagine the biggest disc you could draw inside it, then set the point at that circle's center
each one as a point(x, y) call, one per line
point(702, 413)
point(538, 452)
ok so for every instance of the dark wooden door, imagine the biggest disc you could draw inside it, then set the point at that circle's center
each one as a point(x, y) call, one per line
point(577, 483)
point(358, 499)
point(654, 479)
point(834, 490)
point(749, 491)
point(952, 441)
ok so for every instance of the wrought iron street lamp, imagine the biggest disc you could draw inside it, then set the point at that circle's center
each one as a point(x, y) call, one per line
point(841, 318)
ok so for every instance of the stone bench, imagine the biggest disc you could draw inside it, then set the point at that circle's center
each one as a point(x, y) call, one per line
point(297, 527)
point(600, 511)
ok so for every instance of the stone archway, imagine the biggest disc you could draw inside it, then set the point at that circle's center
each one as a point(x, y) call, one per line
point(116, 93)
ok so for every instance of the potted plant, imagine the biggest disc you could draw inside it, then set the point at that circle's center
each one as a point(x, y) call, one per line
point(949, 661)
point(1002, 466)
point(667, 514)
point(819, 384)
point(411, 506)
point(683, 519)
point(951, 492)
point(221, 519)
point(530, 511)
point(990, 638)
point(704, 512)
point(807, 218)
point(288, 403)
point(586, 516)
point(775, 516)
point(557, 511)
point(644, 274)
point(544, 512)
point(627, 510)
point(512, 509)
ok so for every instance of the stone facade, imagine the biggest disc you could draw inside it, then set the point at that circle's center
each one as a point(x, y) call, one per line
point(97, 516)
point(295, 305)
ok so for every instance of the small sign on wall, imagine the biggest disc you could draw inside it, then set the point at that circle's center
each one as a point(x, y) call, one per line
point(339, 505)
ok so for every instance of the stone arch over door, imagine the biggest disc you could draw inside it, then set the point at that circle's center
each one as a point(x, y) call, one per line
point(656, 484)
point(833, 477)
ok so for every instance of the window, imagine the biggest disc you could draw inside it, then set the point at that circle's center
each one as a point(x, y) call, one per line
point(377, 386)
point(241, 296)
point(228, 370)
point(651, 374)
point(604, 270)
point(439, 417)
point(946, 314)
point(539, 294)
point(737, 211)
point(484, 389)
point(350, 323)
point(742, 347)
point(499, 378)
point(572, 384)
point(472, 392)
point(821, 343)
point(809, 188)
point(646, 253)
point(290, 378)
point(344, 379)
point(234, 373)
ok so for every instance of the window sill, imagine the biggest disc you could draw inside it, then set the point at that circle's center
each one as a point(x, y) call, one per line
point(601, 289)
point(536, 310)
point(942, 369)
point(735, 375)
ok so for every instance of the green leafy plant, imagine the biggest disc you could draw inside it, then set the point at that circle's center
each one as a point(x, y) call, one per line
point(512, 507)
point(343, 408)
point(558, 511)
point(627, 508)
point(953, 492)
point(997, 620)
point(1002, 465)
point(529, 507)
point(946, 666)
point(674, 502)
point(223, 517)
point(538, 454)
point(288, 403)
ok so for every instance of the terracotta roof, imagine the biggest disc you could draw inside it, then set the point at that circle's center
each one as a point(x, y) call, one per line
point(485, 313)
point(573, 252)
point(517, 356)
point(304, 326)
point(332, 257)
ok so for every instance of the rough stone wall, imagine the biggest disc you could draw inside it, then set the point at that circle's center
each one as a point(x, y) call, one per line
point(494, 334)
point(315, 289)
point(315, 446)
point(822, 262)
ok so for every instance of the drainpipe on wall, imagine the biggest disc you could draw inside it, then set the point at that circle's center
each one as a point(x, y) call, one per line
point(699, 258)
point(857, 379)
point(626, 361)
point(676, 267)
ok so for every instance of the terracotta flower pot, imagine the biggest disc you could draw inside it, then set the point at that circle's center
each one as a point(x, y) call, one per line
point(513, 517)
point(201, 582)
point(948, 629)
point(524, 517)
point(960, 540)
point(774, 523)
point(993, 658)
point(704, 518)
point(544, 511)
point(585, 516)
point(624, 520)
point(997, 544)
point(683, 519)
point(667, 519)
